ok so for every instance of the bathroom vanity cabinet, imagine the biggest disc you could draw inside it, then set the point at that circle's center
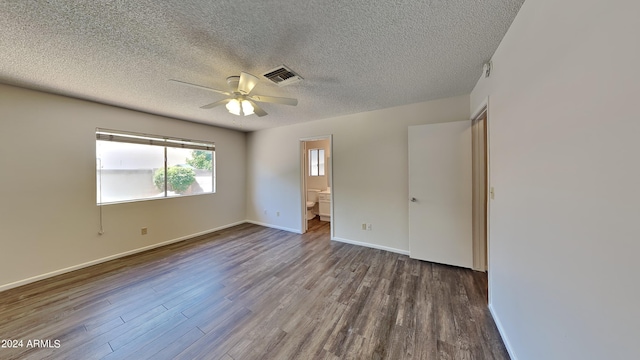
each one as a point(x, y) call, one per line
point(324, 205)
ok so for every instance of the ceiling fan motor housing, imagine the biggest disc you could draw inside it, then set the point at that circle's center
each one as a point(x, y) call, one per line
point(232, 82)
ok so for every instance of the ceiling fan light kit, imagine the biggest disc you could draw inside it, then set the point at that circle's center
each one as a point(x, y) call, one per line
point(240, 99)
point(240, 107)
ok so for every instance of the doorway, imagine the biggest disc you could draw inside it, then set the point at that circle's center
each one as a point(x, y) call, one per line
point(316, 174)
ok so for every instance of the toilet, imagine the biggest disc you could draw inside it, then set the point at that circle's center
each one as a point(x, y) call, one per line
point(312, 199)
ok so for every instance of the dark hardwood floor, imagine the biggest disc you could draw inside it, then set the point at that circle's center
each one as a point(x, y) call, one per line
point(250, 292)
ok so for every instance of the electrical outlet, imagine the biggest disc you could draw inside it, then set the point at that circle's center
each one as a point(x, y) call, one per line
point(369, 227)
point(277, 213)
point(143, 231)
point(364, 226)
point(265, 211)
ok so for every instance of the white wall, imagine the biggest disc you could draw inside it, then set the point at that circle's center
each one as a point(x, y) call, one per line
point(564, 147)
point(370, 165)
point(49, 220)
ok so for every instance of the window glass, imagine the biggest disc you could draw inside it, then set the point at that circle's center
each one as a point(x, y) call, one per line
point(126, 171)
point(321, 162)
point(313, 162)
point(132, 167)
point(190, 171)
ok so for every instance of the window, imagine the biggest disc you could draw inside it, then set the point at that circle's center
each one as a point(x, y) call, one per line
point(132, 167)
point(316, 162)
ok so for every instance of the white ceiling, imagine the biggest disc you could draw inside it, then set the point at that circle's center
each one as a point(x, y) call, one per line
point(354, 55)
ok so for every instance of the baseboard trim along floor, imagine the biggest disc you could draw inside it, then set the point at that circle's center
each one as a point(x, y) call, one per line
point(112, 257)
point(372, 246)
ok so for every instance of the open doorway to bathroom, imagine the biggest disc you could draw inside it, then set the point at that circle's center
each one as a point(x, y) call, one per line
point(316, 180)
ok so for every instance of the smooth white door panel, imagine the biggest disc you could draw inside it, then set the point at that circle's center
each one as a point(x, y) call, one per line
point(440, 193)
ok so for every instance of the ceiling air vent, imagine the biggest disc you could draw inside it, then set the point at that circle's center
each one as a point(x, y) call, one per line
point(282, 76)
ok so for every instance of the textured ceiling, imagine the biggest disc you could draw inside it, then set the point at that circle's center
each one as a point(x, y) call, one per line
point(354, 55)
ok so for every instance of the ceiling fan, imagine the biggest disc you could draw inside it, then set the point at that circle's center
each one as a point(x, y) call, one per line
point(240, 101)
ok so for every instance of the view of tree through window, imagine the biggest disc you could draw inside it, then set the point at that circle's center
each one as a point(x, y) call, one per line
point(132, 167)
point(201, 159)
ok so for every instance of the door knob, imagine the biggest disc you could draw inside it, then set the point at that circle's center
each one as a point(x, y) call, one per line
point(414, 199)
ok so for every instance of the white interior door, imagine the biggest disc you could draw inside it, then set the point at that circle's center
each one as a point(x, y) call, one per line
point(440, 193)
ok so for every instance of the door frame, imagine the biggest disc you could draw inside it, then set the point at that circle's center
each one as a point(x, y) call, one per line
point(303, 180)
point(479, 253)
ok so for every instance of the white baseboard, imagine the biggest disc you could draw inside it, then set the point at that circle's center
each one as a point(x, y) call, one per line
point(503, 335)
point(297, 231)
point(111, 257)
point(373, 246)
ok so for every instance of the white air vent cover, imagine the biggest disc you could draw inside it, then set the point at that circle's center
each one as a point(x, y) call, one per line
point(282, 76)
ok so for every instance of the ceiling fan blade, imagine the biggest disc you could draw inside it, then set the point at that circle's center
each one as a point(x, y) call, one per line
point(214, 104)
point(200, 87)
point(247, 83)
point(275, 100)
point(257, 109)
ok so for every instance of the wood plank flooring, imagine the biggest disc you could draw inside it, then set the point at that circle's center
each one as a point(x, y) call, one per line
point(250, 292)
